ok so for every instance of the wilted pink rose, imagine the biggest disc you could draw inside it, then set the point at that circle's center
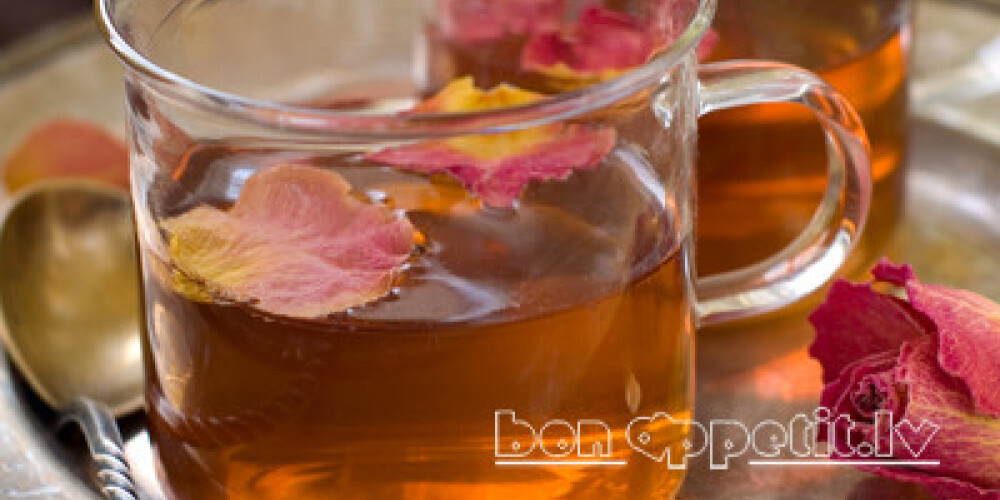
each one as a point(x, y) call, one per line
point(931, 360)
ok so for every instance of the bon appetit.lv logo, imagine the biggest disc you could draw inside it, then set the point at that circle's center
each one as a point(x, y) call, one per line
point(675, 442)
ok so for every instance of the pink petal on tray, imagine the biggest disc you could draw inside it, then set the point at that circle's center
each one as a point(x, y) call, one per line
point(67, 148)
point(888, 272)
point(966, 444)
point(968, 337)
point(856, 321)
point(295, 243)
point(968, 332)
point(497, 167)
point(861, 389)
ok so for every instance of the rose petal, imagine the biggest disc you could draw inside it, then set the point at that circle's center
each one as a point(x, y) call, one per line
point(941, 487)
point(462, 95)
point(602, 44)
point(874, 392)
point(968, 338)
point(967, 445)
point(295, 243)
point(968, 332)
point(707, 44)
point(605, 43)
point(888, 272)
point(498, 167)
point(837, 397)
point(856, 321)
point(483, 20)
point(67, 148)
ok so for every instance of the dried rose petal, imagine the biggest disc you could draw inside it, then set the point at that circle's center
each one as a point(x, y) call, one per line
point(497, 167)
point(942, 487)
point(966, 444)
point(67, 148)
point(856, 321)
point(707, 44)
point(605, 43)
point(841, 396)
point(891, 273)
point(968, 332)
point(602, 44)
point(473, 21)
point(968, 339)
point(295, 243)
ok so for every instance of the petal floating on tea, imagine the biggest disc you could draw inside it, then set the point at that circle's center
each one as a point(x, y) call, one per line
point(602, 44)
point(295, 243)
point(472, 21)
point(497, 167)
point(605, 43)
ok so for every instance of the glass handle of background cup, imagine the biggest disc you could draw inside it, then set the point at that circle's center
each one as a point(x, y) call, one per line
point(815, 256)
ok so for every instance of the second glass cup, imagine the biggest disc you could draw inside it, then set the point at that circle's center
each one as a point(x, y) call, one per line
point(765, 164)
point(442, 249)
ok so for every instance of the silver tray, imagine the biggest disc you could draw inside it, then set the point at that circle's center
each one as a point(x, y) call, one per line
point(755, 372)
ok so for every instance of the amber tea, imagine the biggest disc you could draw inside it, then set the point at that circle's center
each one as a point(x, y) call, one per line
point(396, 399)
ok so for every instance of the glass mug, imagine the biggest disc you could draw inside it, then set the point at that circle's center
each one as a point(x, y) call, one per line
point(861, 48)
point(523, 342)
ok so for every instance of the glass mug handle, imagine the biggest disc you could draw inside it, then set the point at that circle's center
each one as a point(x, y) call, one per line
point(819, 251)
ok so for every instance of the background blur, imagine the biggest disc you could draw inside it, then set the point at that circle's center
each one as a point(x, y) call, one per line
point(20, 18)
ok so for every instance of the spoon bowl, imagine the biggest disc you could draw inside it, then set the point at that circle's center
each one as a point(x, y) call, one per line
point(69, 306)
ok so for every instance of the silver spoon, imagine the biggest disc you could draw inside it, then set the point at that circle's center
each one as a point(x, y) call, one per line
point(69, 311)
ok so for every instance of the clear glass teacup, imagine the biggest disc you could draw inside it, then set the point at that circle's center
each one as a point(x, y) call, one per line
point(370, 273)
point(861, 48)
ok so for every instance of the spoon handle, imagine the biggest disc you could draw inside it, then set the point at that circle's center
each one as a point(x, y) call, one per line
point(106, 449)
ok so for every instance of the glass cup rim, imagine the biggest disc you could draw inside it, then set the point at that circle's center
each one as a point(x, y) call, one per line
point(395, 125)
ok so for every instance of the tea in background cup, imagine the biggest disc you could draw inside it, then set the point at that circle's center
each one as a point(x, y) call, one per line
point(765, 165)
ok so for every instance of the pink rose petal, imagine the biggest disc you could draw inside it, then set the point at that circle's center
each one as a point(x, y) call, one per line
point(968, 337)
point(473, 21)
point(295, 243)
point(707, 44)
point(67, 148)
point(872, 375)
point(856, 321)
point(967, 445)
point(941, 487)
point(602, 43)
point(968, 332)
point(888, 272)
point(498, 167)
